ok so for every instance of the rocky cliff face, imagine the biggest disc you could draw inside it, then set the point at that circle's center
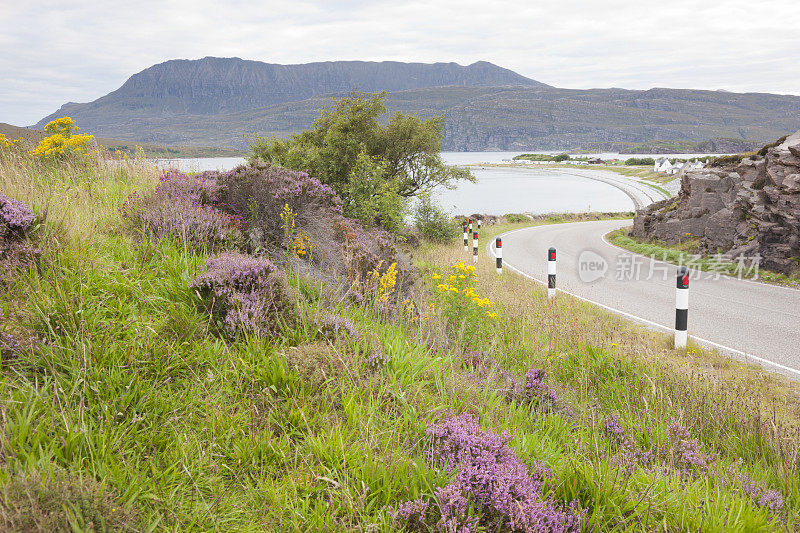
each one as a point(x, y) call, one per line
point(748, 208)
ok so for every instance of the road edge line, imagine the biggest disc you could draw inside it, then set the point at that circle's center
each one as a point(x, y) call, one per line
point(733, 351)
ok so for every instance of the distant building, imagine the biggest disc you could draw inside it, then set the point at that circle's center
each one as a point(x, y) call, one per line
point(595, 161)
point(662, 164)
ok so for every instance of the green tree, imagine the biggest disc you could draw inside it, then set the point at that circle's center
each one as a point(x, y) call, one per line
point(348, 145)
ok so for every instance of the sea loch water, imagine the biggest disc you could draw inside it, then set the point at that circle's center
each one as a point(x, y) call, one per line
point(499, 190)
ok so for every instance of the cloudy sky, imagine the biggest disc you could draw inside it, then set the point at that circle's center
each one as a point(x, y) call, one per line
point(78, 50)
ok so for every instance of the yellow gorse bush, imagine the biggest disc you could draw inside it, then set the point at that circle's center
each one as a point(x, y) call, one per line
point(381, 285)
point(303, 246)
point(5, 142)
point(461, 282)
point(62, 141)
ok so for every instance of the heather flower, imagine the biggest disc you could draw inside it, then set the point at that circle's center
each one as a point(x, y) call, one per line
point(332, 326)
point(411, 514)
point(248, 294)
point(759, 493)
point(614, 428)
point(16, 219)
point(9, 347)
point(183, 207)
point(15, 215)
point(533, 389)
point(627, 454)
point(686, 450)
point(377, 358)
point(489, 477)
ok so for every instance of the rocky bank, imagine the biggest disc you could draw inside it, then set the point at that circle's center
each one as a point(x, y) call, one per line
point(747, 207)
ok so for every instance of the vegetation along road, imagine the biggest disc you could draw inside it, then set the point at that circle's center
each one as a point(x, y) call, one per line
point(747, 319)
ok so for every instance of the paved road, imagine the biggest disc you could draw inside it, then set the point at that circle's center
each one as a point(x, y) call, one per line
point(640, 192)
point(747, 319)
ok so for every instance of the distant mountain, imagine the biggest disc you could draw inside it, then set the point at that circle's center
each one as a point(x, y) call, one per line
point(216, 101)
point(215, 85)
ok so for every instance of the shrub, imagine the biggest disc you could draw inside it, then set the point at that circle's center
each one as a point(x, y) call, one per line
point(432, 221)
point(466, 312)
point(516, 218)
point(288, 210)
point(488, 476)
point(246, 294)
point(640, 161)
point(16, 223)
point(258, 193)
point(62, 141)
point(183, 207)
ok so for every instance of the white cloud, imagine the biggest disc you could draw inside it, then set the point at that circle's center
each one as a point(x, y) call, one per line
point(80, 50)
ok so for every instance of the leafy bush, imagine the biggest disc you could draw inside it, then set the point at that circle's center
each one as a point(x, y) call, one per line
point(246, 294)
point(182, 207)
point(432, 221)
point(633, 161)
point(373, 165)
point(370, 197)
point(516, 218)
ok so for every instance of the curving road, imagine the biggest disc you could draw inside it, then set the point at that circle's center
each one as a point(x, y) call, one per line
point(749, 320)
point(640, 192)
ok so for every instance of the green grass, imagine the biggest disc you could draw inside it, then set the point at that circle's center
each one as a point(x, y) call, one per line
point(133, 406)
point(687, 253)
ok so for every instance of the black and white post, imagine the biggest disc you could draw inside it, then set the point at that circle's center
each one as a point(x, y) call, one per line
point(682, 308)
point(470, 225)
point(479, 222)
point(466, 237)
point(475, 247)
point(551, 272)
point(498, 253)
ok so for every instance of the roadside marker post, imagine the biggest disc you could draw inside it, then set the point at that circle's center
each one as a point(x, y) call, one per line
point(470, 225)
point(682, 308)
point(479, 222)
point(475, 247)
point(498, 253)
point(551, 272)
point(466, 237)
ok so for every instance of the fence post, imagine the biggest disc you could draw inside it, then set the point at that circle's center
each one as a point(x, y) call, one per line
point(682, 308)
point(551, 272)
point(498, 253)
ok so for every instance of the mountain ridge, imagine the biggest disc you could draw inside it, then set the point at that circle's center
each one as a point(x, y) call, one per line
point(217, 101)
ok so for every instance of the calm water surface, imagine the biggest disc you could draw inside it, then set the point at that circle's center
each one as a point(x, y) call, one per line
point(498, 190)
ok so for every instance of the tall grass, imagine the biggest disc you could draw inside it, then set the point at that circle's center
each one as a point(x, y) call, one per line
point(131, 405)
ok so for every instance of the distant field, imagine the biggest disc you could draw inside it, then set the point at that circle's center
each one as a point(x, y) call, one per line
point(33, 137)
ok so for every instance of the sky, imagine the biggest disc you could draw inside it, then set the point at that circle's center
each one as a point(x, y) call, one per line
point(79, 50)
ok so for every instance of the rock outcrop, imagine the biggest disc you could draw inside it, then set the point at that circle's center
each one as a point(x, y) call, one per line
point(748, 208)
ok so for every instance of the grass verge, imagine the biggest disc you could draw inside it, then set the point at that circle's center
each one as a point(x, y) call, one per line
point(129, 404)
point(686, 253)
